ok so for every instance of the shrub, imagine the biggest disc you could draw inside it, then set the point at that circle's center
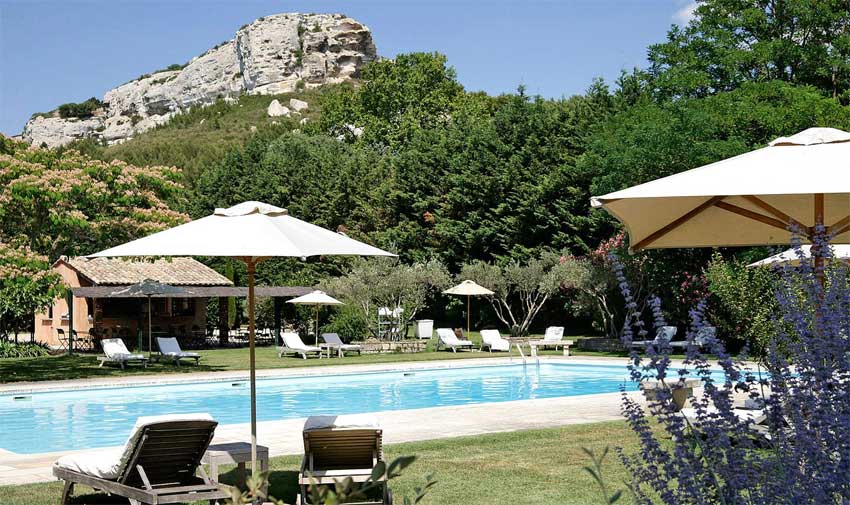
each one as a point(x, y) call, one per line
point(28, 350)
point(745, 303)
point(79, 110)
point(349, 322)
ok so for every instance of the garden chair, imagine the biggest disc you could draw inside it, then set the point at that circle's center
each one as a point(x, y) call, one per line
point(292, 344)
point(493, 340)
point(333, 340)
point(169, 349)
point(156, 465)
point(341, 447)
point(449, 339)
point(115, 351)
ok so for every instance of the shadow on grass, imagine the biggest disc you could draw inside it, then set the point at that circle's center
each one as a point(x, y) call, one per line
point(82, 367)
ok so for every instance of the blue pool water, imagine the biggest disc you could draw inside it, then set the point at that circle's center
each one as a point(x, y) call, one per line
point(83, 419)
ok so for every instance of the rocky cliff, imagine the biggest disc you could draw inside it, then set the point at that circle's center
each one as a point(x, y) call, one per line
point(274, 54)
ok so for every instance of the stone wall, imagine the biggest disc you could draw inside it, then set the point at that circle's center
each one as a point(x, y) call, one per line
point(600, 344)
point(373, 346)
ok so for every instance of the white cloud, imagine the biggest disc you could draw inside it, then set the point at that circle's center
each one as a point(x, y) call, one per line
point(685, 14)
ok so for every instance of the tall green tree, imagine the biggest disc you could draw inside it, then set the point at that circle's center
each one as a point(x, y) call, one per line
point(730, 42)
point(397, 98)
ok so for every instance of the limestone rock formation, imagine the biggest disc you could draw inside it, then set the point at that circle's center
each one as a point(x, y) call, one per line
point(298, 105)
point(276, 109)
point(275, 54)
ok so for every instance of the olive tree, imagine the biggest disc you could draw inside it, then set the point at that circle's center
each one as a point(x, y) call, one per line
point(520, 289)
point(386, 282)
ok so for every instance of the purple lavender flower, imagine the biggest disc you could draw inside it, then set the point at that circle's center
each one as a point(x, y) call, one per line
point(800, 452)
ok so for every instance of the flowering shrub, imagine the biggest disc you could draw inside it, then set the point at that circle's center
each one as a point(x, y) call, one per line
point(800, 453)
point(61, 202)
point(26, 284)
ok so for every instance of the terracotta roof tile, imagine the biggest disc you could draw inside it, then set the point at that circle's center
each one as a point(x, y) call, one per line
point(121, 271)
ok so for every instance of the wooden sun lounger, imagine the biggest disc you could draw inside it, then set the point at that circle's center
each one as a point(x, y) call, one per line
point(161, 468)
point(335, 453)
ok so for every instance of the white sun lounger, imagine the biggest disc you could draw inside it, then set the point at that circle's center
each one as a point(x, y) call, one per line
point(493, 340)
point(553, 337)
point(157, 464)
point(700, 340)
point(115, 351)
point(292, 344)
point(169, 349)
point(333, 340)
point(662, 337)
point(450, 340)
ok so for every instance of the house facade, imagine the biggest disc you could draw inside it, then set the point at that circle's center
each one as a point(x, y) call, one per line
point(109, 316)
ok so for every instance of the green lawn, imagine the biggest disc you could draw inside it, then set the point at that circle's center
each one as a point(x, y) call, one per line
point(535, 466)
point(82, 366)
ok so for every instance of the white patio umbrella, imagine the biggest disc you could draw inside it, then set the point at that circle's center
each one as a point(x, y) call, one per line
point(251, 232)
point(751, 199)
point(468, 288)
point(316, 298)
point(791, 256)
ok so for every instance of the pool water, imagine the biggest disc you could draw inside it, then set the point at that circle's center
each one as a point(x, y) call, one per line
point(82, 419)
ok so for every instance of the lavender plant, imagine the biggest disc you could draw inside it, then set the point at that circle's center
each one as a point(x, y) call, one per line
point(799, 453)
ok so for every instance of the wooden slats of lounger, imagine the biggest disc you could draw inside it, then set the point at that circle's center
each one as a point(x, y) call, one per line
point(161, 468)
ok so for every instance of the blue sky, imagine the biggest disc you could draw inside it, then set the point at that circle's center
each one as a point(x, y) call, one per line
point(58, 51)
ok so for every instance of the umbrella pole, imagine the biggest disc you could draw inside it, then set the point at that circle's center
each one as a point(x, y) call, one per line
point(467, 316)
point(150, 336)
point(816, 238)
point(250, 263)
point(317, 325)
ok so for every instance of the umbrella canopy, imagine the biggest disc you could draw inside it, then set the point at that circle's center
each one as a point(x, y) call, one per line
point(751, 199)
point(148, 288)
point(791, 256)
point(468, 288)
point(250, 231)
point(316, 298)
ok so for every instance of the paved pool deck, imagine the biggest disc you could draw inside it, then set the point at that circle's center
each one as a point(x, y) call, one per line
point(284, 437)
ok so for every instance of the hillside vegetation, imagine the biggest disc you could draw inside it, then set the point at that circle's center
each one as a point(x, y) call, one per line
point(201, 136)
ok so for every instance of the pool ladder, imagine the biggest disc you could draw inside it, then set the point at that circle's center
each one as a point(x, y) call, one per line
point(522, 354)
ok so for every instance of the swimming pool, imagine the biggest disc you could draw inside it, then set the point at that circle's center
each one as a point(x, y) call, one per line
point(82, 419)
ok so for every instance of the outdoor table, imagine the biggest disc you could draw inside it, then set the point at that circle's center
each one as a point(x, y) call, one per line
point(237, 453)
point(328, 347)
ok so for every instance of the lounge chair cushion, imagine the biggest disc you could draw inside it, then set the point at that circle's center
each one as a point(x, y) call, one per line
point(350, 421)
point(104, 463)
point(109, 463)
